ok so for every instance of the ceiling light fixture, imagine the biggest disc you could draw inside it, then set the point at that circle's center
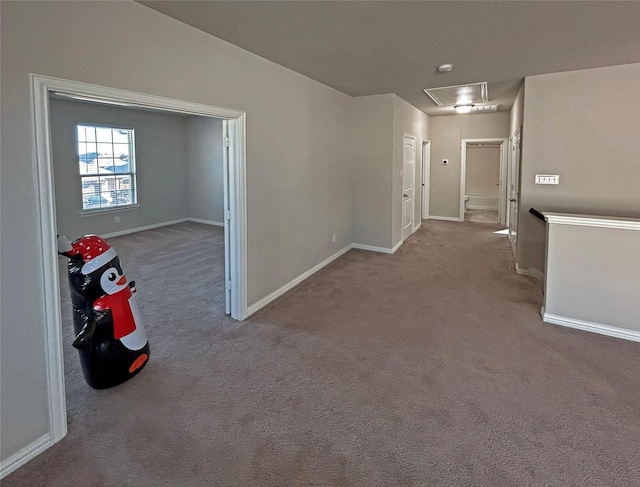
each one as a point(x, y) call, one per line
point(463, 108)
point(445, 68)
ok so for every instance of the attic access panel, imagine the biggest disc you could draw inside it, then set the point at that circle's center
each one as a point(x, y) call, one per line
point(459, 95)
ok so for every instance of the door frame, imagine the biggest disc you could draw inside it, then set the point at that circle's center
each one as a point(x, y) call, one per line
point(513, 178)
point(503, 142)
point(426, 178)
point(235, 221)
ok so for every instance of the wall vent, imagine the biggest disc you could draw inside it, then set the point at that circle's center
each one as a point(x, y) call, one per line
point(484, 108)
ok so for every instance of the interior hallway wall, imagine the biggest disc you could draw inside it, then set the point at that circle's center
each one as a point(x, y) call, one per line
point(379, 123)
point(372, 120)
point(582, 125)
point(298, 160)
point(446, 134)
point(160, 160)
point(205, 170)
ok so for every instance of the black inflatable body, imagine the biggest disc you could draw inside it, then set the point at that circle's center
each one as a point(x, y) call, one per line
point(110, 337)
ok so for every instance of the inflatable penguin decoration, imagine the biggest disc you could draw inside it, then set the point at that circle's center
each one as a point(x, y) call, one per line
point(112, 343)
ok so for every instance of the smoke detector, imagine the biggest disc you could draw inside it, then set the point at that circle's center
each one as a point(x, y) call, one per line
point(445, 68)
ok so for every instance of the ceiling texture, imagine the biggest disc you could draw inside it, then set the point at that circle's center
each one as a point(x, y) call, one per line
point(375, 47)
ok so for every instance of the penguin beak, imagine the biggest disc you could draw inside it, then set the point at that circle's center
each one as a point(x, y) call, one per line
point(122, 281)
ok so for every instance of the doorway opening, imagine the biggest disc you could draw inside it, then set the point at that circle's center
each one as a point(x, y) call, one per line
point(483, 180)
point(234, 210)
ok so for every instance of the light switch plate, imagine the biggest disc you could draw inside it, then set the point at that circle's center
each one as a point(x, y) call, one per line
point(547, 179)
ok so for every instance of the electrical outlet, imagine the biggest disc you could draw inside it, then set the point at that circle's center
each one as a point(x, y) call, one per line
point(334, 238)
point(117, 219)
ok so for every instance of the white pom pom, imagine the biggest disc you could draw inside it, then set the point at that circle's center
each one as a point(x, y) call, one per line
point(64, 245)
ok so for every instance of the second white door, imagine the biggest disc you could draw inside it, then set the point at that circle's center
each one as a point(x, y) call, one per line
point(408, 183)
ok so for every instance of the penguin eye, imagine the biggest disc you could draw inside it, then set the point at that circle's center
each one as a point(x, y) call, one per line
point(112, 276)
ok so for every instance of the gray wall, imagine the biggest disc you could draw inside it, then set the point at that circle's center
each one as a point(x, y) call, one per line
point(482, 173)
point(372, 142)
point(298, 159)
point(585, 280)
point(205, 171)
point(406, 120)
point(161, 165)
point(584, 126)
point(446, 134)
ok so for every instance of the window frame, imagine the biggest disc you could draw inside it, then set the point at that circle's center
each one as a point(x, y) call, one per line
point(131, 173)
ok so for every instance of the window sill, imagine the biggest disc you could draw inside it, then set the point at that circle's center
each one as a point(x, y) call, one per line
point(102, 211)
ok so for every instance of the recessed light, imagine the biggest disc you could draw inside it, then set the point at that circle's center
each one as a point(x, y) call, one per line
point(445, 68)
point(463, 108)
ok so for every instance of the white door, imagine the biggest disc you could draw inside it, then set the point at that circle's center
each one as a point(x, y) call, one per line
point(408, 183)
point(227, 220)
point(426, 167)
point(514, 189)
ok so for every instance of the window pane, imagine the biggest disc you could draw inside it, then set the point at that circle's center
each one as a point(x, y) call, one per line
point(105, 148)
point(90, 186)
point(106, 166)
point(103, 134)
point(121, 136)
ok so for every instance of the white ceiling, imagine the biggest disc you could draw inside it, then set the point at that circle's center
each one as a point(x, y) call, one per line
point(374, 47)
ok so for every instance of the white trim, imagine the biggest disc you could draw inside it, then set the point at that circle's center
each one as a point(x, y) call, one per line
point(502, 175)
point(294, 282)
point(417, 227)
point(102, 211)
point(396, 246)
point(143, 228)
point(205, 222)
point(531, 272)
point(592, 221)
point(426, 177)
point(446, 218)
point(611, 331)
point(25, 454)
point(49, 292)
point(372, 248)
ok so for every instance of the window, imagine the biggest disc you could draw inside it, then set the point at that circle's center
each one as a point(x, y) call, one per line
point(106, 160)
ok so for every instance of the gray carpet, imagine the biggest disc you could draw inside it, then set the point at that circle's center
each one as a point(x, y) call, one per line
point(430, 367)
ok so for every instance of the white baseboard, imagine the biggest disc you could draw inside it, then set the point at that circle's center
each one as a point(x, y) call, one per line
point(611, 331)
point(531, 272)
point(372, 248)
point(396, 246)
point(205, 222)
point(446, 218)
point(417, 227)
point(291, 284)
point(142, 229)
point(22, 456)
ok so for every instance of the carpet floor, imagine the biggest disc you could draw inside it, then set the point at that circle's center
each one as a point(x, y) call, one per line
point(429, 367)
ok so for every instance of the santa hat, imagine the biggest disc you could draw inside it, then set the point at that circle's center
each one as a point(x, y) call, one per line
point(95, 251)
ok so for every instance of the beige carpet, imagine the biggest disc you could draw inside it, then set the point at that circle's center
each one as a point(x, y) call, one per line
point(430, 367)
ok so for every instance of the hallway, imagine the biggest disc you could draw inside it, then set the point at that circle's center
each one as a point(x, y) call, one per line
point(427, 367)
